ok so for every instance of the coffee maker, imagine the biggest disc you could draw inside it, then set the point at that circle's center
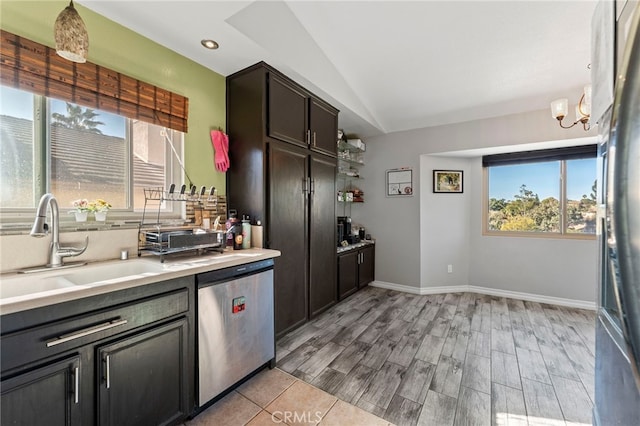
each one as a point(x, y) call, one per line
point(344, 231)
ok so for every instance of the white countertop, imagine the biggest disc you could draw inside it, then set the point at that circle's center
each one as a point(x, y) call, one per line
point(20, 292)
point(349, 247)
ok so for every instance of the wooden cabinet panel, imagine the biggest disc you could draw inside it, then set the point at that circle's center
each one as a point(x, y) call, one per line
point(287, 112)
point(40, 342)
point(356, 270)
point(322, 266)
point(323, 124)
point(143, 378)
point(347, 273)
point(270, 120)
point(287, 232)
point(49, 395)
point(145, 329)
point(367, 266)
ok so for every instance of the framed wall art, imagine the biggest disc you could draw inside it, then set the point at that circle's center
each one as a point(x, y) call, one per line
point(447, 181)
point(400, 182)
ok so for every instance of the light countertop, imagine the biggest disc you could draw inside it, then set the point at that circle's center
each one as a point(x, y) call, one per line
point(20, 292)
point(350, 247)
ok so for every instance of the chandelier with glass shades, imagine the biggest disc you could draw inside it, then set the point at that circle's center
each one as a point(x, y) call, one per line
point(560, 108)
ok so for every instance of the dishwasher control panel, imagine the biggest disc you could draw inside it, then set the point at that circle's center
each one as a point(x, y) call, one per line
point(238, 304)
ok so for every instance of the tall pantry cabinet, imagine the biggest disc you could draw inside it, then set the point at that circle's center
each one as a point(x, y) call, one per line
point(282, 151)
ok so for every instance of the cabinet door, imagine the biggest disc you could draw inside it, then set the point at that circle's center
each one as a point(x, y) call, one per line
point(144, 378)
point(322, 235)
point(323, 124)
point(347, 273)
point(287, 232)
point(49, 395)
point(367, 266)
point(287, 113)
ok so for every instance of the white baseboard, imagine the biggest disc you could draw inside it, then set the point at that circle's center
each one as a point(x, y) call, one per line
point(582, 304)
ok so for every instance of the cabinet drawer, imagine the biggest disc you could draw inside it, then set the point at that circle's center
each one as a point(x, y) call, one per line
point(22, 347)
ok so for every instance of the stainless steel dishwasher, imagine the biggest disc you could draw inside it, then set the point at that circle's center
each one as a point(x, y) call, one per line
point(235, 325)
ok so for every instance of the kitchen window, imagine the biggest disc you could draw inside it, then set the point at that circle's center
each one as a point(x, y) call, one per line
point(541, 193)
point(49, 145)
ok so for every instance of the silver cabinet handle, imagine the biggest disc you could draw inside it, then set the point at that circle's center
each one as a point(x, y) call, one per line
point(77, 380)
point(308, 137)
point(107, 372)
point(314, 139)
point(85, 332)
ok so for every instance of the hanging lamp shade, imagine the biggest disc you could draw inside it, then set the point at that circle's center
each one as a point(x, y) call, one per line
point(72, 39)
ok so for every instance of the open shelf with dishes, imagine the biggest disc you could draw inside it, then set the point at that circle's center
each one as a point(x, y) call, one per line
point(175, 236)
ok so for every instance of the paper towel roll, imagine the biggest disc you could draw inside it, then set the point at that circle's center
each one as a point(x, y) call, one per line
point(256, 236)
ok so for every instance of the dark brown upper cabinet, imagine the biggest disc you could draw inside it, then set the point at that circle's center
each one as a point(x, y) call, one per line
point(297, 117)
point(323, 127)
point(287, 112)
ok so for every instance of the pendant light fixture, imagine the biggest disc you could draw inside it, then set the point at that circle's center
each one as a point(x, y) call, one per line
point(72, 39)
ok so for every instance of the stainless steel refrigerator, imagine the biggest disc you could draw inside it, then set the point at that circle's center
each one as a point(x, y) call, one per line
point(617, 382)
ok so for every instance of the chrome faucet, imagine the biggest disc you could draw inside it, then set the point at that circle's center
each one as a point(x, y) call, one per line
point(40, 229)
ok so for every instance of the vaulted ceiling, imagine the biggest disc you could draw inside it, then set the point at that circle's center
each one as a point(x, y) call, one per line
point(387, 65)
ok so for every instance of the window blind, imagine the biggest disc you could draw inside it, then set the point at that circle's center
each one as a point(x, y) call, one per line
point(554, 154)
point(30, 66)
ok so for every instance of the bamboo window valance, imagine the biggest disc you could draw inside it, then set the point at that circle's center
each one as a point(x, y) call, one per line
point(30, 66)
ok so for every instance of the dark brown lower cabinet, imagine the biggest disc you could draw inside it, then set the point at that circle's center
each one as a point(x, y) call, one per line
point(301, 224)
point(144, 378)
point(287, 232)
point(126, 358)
point(366, 266)
point(347, 273)
point(322, 236)
point(47, 395)
point(355, 270)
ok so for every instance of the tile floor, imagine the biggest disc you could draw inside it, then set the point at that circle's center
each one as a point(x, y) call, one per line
point(383, 357)
point(275, 397)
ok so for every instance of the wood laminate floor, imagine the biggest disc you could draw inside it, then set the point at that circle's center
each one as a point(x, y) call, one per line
point(450, 359)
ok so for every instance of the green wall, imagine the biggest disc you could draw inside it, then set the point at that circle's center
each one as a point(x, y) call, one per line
point(116, 47)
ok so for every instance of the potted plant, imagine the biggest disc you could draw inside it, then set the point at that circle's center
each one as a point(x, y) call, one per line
point(81, 209)
point(100, 207)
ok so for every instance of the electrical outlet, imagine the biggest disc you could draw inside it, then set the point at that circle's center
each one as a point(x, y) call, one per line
point(449, 268)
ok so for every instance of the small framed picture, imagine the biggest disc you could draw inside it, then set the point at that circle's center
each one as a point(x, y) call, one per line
point(447, 181)
point(400, 182)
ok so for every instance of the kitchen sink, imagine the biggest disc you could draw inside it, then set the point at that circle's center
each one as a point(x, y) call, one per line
point(52, 281)
point(114, 272)
point(17, 287)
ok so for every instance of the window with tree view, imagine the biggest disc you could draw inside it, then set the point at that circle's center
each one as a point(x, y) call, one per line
point(49, 145)
point(554, 193)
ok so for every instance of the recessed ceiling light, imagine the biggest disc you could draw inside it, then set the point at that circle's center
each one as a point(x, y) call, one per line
point(210, 44)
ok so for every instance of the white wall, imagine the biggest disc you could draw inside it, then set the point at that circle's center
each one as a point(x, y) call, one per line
point(24, 251)
point(417, 237)
point(444, 225)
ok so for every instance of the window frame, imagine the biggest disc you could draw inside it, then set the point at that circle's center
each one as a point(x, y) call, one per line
point(521, 158)
point(17, 217)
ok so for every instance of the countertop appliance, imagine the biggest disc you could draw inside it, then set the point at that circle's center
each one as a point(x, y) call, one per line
point(345, 231)
point(617, 382)
point(235, 325)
